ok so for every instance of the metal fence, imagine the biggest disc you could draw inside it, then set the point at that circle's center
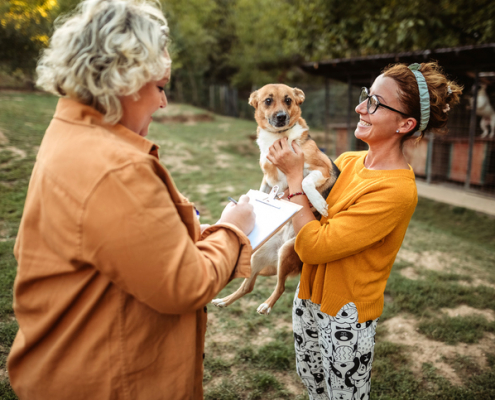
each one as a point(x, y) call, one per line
point(457, 159)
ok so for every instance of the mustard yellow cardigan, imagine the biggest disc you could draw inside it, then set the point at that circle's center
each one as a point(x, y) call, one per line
point(348, 255)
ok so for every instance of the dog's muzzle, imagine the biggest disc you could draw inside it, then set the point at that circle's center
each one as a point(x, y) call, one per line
point(279, 120)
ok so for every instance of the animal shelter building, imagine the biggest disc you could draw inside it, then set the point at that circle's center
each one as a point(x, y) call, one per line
point(465, 158)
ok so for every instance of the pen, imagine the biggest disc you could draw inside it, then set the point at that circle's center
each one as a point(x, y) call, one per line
point(232, 200)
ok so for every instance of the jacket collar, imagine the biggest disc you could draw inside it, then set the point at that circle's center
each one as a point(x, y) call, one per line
point(72, 111)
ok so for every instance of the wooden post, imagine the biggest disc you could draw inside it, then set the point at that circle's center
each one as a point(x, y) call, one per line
point(235, 102)
point(350, 134)
point(222, 100)
point(472, 131)
point(326, 117)
point(429, 157)
point(212, 98)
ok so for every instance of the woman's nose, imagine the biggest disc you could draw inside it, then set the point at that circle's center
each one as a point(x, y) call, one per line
point(361, 107)
point(163, 100)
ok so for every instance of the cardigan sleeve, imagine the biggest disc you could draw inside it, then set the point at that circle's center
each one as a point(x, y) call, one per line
point(133, 234)
point(362, 225)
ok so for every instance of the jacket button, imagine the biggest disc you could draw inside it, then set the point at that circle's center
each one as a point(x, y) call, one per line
point(206, 310)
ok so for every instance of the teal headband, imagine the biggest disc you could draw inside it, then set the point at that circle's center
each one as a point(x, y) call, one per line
point(424, 96)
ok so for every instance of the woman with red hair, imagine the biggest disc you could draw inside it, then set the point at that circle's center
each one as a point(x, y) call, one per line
point(348, 255)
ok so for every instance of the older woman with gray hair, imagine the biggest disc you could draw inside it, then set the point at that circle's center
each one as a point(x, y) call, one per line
point(114, 270)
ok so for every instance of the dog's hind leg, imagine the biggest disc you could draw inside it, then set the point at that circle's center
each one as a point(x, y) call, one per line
point(288, 264)
point(245, 288)
point(309, 184)
point(259, 260)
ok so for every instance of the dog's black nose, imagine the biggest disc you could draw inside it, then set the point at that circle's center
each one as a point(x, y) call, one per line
point(281, 117)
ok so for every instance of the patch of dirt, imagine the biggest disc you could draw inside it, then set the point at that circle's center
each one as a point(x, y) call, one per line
point(409, 273)
point(476, 282)
point(184, 118)
point(223, 160)
point(225, 126)
point(431, 260)
point(19, 152)
point(401, 330)
point(439, 262)
point(217, 335)
point(3, 138)
point(176, 162)
point(8, 185)
point(204, 188)
point(263, 337)
point(412, 273)
point(466, 311)
point(292, 383)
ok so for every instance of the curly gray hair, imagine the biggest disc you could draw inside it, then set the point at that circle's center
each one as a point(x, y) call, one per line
point(104, 50)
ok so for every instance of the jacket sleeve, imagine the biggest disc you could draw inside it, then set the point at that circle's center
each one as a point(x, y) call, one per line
point(133, 234)
point(362, 225)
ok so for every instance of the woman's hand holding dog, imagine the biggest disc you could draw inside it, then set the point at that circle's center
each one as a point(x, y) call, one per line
point(240, 215)
point(289, 161)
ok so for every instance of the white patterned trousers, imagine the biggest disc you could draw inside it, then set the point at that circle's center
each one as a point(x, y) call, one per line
point(333, 354)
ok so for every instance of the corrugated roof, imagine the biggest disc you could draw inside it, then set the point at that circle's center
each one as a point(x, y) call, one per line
point(459, 61)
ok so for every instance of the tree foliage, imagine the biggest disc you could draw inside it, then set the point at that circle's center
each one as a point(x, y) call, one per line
point(25, 26)
point(251, 42)
point(332, 28)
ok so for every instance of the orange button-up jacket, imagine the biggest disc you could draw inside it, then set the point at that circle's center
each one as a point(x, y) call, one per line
point(113, 272)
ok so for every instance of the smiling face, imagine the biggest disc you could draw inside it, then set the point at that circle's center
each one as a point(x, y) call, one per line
point(137, 112)
point(277, 106)
point(381, 126)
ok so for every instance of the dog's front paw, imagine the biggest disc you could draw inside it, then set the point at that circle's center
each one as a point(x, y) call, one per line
point(321, 206)
point(264, 309)
point(219, 303)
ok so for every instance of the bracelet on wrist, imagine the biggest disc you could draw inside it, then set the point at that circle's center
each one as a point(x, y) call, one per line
point(290, 196)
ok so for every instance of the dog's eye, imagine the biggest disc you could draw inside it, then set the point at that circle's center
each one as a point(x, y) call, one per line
point(268, 101)
point(288, 101)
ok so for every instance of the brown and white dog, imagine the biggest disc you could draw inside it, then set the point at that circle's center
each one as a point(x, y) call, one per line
point(278, 114)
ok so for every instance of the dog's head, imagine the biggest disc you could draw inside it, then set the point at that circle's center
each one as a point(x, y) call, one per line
point(277, 107)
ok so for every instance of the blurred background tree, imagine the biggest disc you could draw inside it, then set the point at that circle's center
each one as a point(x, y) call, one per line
point(25, 27)
point(246, 43)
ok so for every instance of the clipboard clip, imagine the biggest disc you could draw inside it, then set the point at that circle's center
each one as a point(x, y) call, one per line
point(272, 196)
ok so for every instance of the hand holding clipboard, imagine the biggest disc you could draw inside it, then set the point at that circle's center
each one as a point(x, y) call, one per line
point(271, 213)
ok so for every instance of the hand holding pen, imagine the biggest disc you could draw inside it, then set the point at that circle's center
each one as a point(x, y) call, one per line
point(239, 214)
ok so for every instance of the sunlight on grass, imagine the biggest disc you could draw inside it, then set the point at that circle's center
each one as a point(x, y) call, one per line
point(250, 356)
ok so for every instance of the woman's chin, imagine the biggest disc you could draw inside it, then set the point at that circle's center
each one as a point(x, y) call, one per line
point(359, 134)
point(144, 132)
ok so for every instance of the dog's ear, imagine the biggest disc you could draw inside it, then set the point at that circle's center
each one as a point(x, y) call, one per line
point(253, 99)
point(298, 95)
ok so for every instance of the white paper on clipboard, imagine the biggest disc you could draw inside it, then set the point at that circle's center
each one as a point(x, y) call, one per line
point(271, 215)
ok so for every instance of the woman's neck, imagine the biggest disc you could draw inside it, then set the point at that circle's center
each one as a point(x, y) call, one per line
point(385, 158)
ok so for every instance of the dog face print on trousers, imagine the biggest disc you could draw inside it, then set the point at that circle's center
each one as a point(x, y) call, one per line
point(348, 314)
point(310, 370)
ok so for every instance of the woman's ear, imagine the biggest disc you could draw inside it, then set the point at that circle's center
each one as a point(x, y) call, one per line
point(299, 95)
point(407, 125)
point(253, 99)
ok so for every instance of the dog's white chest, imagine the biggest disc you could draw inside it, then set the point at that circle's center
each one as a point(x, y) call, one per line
point(266, 139)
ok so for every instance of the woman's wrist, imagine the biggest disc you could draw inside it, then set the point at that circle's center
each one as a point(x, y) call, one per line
point(295, 182)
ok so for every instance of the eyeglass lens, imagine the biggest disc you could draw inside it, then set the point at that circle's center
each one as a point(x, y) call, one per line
point(373, 102)
point(364, 95)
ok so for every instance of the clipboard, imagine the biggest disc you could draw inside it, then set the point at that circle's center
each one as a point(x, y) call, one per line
point(271, 213)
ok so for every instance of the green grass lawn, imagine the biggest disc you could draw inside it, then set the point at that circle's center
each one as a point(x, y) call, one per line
point(437, 334)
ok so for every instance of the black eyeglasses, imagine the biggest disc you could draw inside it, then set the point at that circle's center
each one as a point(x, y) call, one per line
point(374, 103)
